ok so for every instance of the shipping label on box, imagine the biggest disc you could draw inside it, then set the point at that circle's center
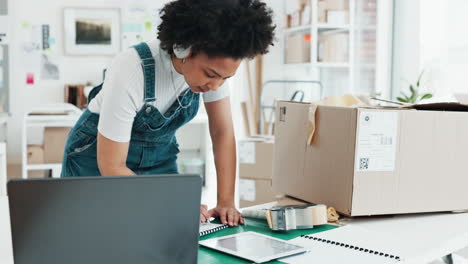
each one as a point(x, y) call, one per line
point(247, 190)
point(376, 141)
point(256, 158)
point(247, 152)
point(256, 191)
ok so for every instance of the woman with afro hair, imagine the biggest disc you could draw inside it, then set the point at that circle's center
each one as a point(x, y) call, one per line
point(152, 89)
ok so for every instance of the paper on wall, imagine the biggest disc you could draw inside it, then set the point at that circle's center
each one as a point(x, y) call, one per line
point(138, 21)
point(49, 68)
point(30, 46)
point(247, 190)
point(377, 141)
point(1, 77)
point(1, 53)
point(45, 37)
point(247, 152)
point(4, 30)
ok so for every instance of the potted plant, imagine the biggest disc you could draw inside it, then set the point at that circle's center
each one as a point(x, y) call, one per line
point(415, 95)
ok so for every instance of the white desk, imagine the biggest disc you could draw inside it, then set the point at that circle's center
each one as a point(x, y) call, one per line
point(422, 237)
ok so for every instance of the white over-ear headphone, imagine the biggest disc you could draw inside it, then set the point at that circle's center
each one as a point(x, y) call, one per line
point(181, 53)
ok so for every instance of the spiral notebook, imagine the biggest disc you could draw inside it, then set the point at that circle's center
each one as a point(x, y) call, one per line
point(347, 244)
point(208, 228)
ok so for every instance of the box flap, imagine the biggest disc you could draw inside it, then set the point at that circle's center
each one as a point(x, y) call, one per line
point(290, 143)
point(449, 106)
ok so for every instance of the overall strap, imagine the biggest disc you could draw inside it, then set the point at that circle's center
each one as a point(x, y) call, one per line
point(148, 65)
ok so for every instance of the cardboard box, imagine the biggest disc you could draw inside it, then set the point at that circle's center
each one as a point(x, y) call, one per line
point(306, 12)
point(373, 161)
point(75, 95)
point(295, 19)
point(306, 15)
point(35, 154)
point(253, 192)
point(38, 174)
point(338, 17)
point(15, 173)
point(54, 143)
point(298, 12)
point(337, 4)
point(322, 11)
point(297, 48)
point(256, 158)
point(333, 47)
point(335, 7)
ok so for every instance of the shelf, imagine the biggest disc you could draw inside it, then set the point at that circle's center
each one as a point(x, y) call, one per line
point(349, 45)
point(332, 64)
point(321, 64)
point(52, 120)
point(333, 26)
point(49, 115)
point(365, 27)
point(44, 166)
point(366, 65)
point(298, 29)
point(302, 64)
point(320, 28)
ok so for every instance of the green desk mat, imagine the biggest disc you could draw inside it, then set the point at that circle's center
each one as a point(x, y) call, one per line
point(209, 256)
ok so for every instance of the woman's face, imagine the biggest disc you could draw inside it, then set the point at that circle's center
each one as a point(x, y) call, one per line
point(204, 74)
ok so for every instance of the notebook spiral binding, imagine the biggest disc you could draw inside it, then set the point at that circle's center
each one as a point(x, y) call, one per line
point(366, 250)
point(207, 232)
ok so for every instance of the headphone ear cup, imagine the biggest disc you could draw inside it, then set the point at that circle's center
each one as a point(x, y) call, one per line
point(181, 53)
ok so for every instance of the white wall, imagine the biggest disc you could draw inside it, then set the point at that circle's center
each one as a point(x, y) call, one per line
point(73, 69)
point(429, 35)
point(457, 45)
point(406, 63)
point(444, 46)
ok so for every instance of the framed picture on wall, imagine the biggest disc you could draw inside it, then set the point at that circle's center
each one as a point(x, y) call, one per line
point(91, 31)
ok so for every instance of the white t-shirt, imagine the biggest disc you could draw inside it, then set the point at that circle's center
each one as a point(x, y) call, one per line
point(122, 94)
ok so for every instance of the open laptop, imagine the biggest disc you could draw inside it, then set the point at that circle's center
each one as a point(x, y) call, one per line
point(106, 220)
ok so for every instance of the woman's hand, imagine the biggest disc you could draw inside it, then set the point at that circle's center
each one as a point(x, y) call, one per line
point(204, 213)
point(228, 214)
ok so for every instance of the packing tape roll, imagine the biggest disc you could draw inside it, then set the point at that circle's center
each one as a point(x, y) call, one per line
point(319, 214)
point(284, 218)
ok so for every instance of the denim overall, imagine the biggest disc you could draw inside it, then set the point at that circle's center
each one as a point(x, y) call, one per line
point(153, 147)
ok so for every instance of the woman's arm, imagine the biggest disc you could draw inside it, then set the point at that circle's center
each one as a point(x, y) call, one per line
point(112, 157)
point(224, 148)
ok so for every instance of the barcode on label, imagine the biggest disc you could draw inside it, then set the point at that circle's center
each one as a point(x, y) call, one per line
point(364, 163)
point(386, 141)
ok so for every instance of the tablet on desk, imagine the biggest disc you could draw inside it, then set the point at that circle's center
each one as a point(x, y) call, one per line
point(253, 246)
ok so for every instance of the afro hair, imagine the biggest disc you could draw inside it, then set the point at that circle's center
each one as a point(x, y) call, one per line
point(226, 28)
